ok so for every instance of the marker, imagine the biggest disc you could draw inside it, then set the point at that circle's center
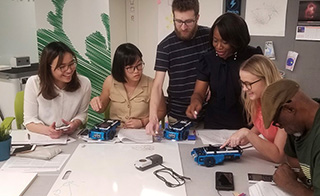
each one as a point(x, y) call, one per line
point(195, 114)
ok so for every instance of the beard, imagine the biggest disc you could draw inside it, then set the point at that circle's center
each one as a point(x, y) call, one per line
point(187, 35)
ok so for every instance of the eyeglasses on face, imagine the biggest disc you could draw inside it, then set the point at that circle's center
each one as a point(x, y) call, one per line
point(189, 22)
point(71, 65)
point(248, 85)
point(139, 67)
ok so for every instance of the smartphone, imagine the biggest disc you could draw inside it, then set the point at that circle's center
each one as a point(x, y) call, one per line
point(180, 125)
point(24, 148)
point(224, 181)
point(254, 178)
point(63, 128)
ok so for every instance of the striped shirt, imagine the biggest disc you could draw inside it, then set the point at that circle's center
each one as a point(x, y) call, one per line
point(180, 58)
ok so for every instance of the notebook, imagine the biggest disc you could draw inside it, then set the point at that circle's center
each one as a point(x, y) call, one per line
point(15, 183)
point(134, 136)
point(26, 137)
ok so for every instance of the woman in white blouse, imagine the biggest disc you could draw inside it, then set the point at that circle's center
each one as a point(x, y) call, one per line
point(57, 96)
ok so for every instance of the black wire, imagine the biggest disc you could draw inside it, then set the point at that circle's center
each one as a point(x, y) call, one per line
point(177, 177)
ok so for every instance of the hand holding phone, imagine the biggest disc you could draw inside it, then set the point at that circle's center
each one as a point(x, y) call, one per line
point(224, 181)
point(63, 128)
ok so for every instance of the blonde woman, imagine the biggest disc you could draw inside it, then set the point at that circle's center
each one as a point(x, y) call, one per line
point(255, 75)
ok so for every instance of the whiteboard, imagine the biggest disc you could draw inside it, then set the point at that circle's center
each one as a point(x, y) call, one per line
point(108, 169)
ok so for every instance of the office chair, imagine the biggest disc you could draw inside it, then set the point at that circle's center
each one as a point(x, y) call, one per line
point(18, 109)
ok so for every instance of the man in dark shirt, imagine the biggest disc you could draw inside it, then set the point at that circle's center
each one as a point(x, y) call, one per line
point(179, 54)
point(288, 107)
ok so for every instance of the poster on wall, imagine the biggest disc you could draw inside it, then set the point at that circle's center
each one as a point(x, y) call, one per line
point(209, 11)
point(308, 21)
point(266, 17)
point(233, 6)
point(84, 26)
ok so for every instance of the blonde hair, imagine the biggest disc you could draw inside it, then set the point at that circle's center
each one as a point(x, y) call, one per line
point(263, 68)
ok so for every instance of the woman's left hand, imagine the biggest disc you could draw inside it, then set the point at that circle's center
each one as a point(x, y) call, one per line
point(133, 124)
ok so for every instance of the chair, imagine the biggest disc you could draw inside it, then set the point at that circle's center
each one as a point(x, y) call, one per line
point(18, 112)
point(18, 109)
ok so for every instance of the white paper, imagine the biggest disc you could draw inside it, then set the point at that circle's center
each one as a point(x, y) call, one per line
point(134, 136)
point(265, 189)
point(269, 50)
point(20, 164)
point(15, 183)
point(291, 60)
point(214, 137)
point(26, 137)
point(311, 33)
point(266, 17)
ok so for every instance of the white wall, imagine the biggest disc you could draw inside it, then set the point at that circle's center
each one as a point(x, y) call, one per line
point(117, 23)
point(142, 30)
point(17, 35)
point(18, 27)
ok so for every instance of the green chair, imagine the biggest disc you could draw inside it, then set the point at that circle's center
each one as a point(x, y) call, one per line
point(18, 109)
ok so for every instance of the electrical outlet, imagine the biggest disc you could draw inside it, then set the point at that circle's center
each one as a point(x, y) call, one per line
point(20, 61)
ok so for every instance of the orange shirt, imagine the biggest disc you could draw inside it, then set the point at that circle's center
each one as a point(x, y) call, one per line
point(269, 133)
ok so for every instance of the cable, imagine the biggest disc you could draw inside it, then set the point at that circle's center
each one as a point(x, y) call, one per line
point(177, 177)
point(246, 147)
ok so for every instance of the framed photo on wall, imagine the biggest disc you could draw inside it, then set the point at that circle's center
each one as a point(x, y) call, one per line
point(233, 6)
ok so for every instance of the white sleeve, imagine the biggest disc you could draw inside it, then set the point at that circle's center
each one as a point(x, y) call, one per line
point(86, 94)
point(31, 105)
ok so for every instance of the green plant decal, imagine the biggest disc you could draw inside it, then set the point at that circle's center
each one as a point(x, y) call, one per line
point(98, 51)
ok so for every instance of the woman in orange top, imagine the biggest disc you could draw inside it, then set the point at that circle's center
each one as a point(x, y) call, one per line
point(255, 75)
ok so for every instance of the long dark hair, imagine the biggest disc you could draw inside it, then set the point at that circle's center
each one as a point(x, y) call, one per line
point(49, 53)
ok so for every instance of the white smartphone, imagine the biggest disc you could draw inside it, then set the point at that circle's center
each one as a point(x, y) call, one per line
point(63, 128)
point(254, 178)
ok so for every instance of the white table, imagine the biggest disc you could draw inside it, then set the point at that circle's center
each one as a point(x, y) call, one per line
point(203, 178)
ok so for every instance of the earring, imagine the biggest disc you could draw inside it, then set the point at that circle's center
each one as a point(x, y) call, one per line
point(235, 56)
point(216, 54)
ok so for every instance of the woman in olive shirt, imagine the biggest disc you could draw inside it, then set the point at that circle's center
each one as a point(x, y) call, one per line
point(127, 90)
